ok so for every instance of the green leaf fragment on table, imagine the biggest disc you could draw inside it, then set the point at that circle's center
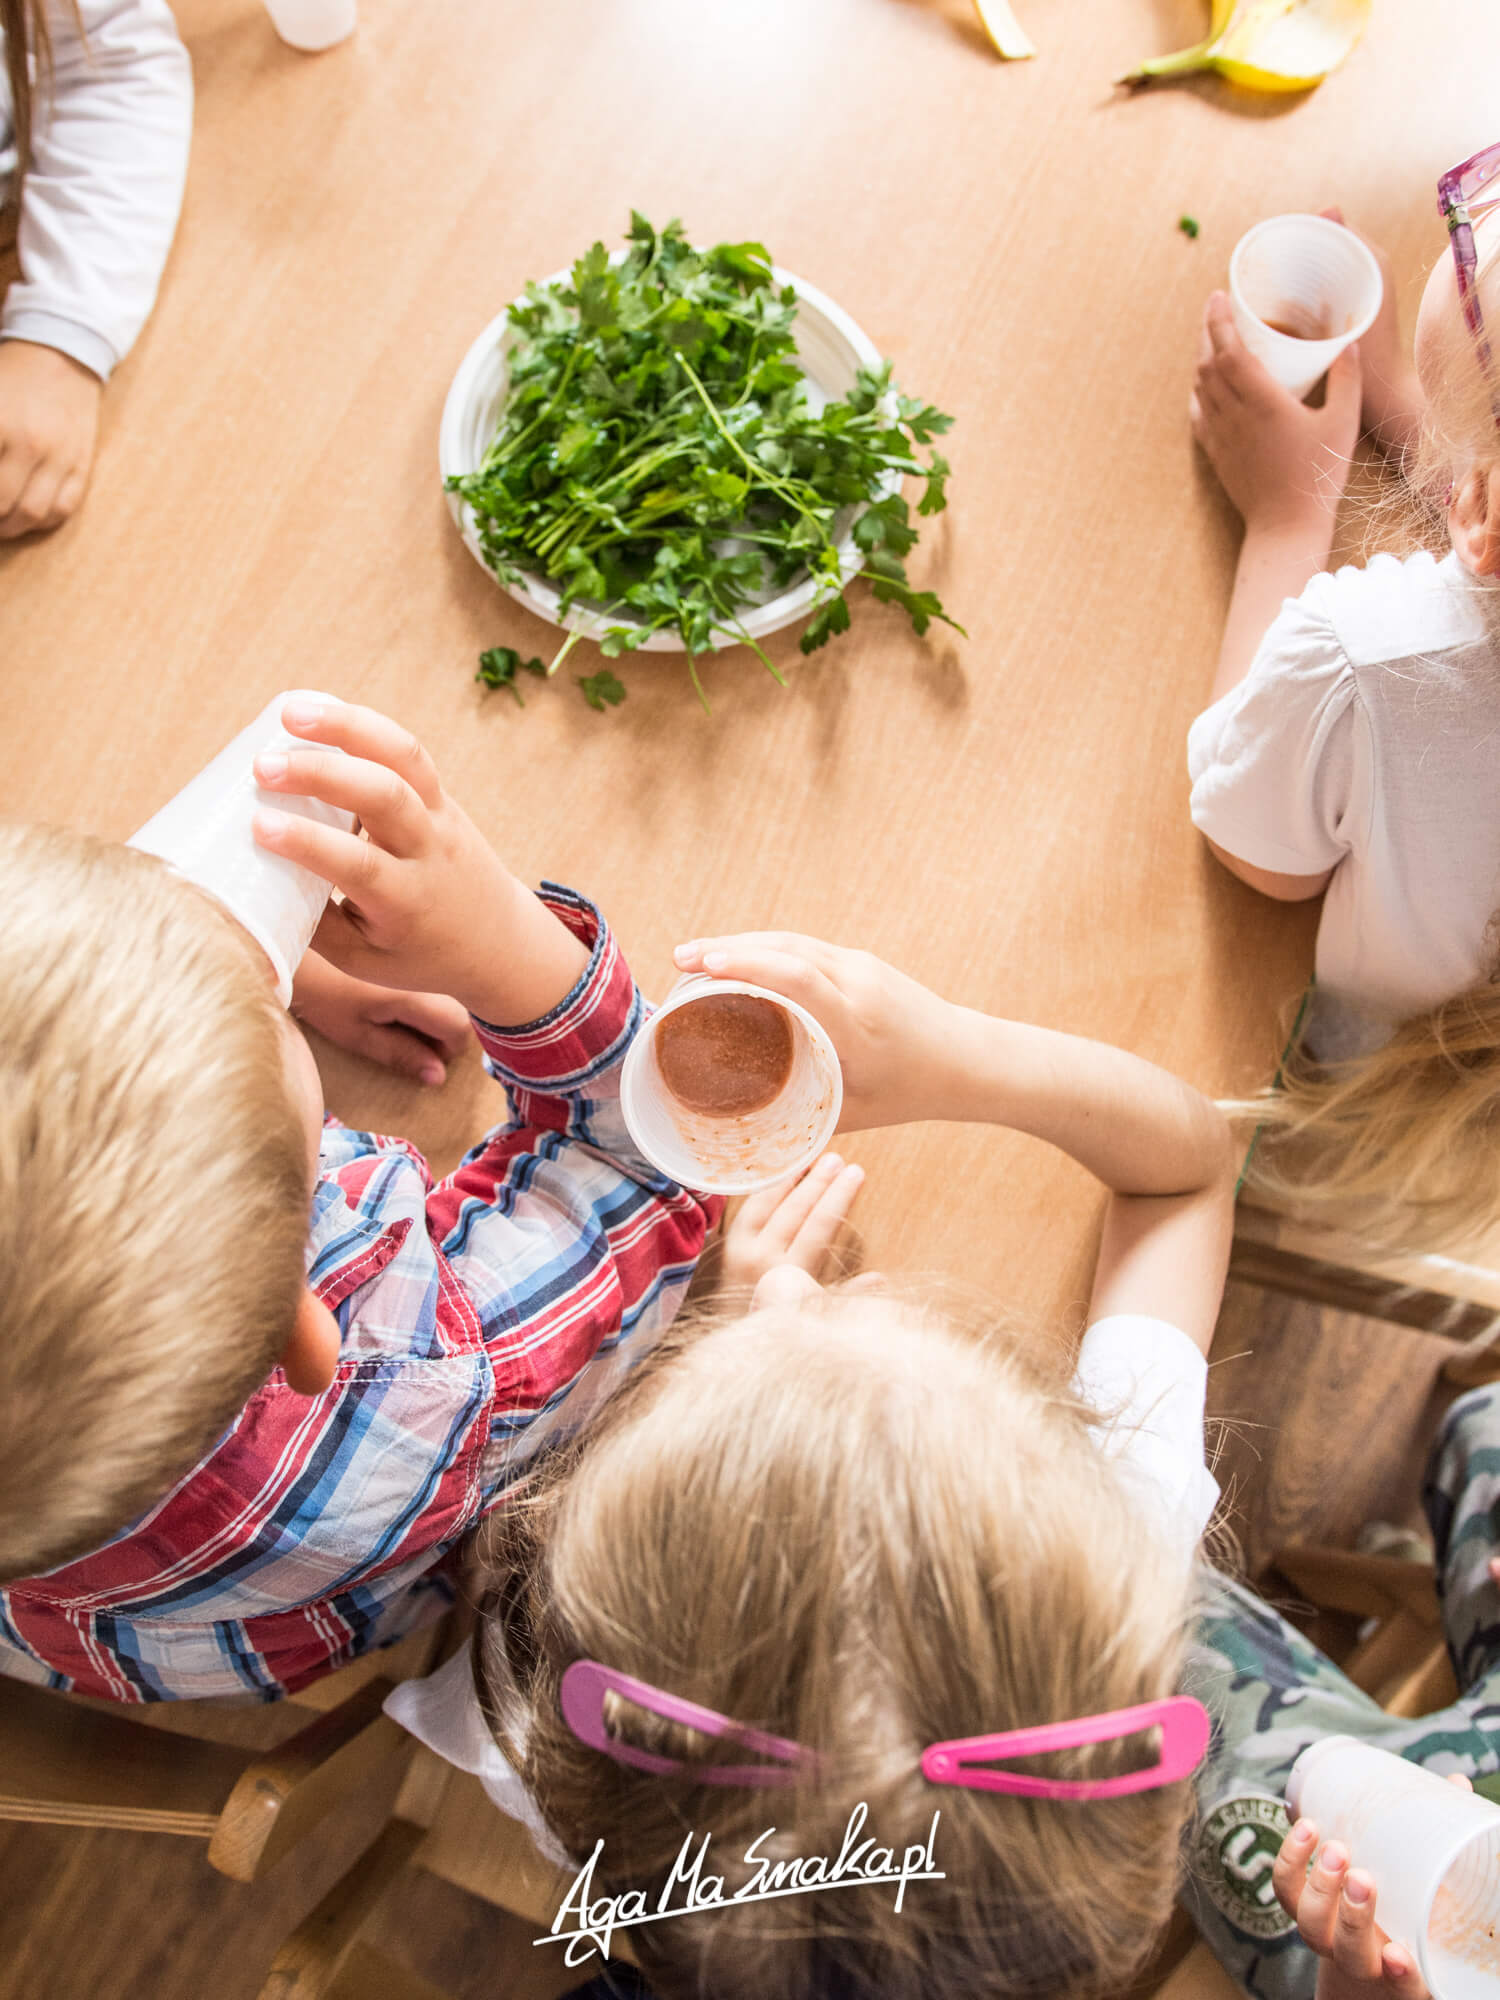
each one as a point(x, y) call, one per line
point(658, 460)
point(1188, 224)
point(499, 665)
point(602, 689)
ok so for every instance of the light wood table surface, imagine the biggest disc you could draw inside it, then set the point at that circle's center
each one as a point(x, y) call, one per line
point(1004, 817)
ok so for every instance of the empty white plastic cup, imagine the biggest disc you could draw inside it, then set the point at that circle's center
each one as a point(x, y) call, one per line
point(1432, 1849)
point(205, 834)
point(746, 1150)
point(311, 25)
point(1308, 274)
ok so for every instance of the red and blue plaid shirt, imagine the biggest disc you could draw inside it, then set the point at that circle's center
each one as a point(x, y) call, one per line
point(468, 1307)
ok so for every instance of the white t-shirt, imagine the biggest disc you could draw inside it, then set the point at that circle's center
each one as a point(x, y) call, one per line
point(109, 146)
point(1366, 739)
point(1147, 1376)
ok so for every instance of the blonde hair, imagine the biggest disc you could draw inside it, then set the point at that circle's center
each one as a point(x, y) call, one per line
point(28, 40)
point(154, 1187)
point(856, 1526)
point(1402, 1144)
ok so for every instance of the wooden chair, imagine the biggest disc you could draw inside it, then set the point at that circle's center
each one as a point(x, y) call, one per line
point(1328, 1267)
point(168, 1768)
point(444, 1825)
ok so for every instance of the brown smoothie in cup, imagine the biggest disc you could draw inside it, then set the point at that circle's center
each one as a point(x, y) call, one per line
point(726, 1054)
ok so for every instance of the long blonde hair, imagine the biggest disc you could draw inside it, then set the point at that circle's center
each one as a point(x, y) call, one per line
point(154, 1187)
point(1402, 1144)
point(23, 25)
point(857, 1526)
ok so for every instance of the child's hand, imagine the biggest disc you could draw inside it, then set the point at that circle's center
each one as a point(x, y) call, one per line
point(1334, 1906)
point(794, 1223)
point(49, 420)
point(415, 1034)
point(1282, 464)
point(427, 904)
point(886, 1029)
point(1392, 402)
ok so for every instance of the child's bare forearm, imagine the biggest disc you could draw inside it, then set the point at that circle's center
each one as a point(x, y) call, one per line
point(1278, 559)
point(529, 961)
point(1137, 1128)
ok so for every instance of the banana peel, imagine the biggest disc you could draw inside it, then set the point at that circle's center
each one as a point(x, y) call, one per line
point(1007, 37)
point(1268, 44)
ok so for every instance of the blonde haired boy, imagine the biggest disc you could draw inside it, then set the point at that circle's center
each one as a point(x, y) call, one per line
point(259, 1373)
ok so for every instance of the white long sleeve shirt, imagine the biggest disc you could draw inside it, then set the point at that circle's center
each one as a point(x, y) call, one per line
point(109, 160)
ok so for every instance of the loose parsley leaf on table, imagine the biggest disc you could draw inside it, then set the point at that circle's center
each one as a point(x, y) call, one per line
point(601, 688)
point(499, 665)
point(658, 461)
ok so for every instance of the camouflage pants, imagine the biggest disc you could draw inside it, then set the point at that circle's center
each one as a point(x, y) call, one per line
point(1272, 1693)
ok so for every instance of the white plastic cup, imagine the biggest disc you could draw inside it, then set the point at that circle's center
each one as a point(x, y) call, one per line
point(311, 25)
point(204, 832)
point(1432, 1849)
point(1302, 270)
point(751, 1149)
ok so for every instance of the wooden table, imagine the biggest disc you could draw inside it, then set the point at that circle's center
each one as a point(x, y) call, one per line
point(1005, 817)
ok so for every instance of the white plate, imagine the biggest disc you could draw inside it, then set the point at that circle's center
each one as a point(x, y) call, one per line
point(830, 349)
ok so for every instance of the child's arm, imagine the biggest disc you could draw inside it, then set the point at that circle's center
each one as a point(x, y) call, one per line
point(98, 210)
point(1162, 1148)
point(415, 1034)
point(556, 1240)
point(1283, 465)
point(1393, 403)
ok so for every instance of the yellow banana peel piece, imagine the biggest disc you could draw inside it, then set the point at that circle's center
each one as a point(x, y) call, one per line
point(1268, 44)
point(1007, 37)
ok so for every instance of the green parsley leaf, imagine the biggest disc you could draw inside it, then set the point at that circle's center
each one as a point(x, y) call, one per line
point(499, 665)
point(1188, 224)
point(602, 688)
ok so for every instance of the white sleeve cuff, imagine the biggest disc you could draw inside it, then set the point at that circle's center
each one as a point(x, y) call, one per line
point(46, 329)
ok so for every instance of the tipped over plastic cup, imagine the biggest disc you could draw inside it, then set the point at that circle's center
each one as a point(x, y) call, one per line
point(311, 25)
point(741, 1151)
point(1302, 287)
point(205, 833)
point(1431, 1848)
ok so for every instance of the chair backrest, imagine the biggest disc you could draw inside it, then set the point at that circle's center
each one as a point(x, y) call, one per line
point(65, 1762)
point(1459, 1299)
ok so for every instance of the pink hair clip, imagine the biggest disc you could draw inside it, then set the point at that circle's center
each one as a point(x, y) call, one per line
point(1184, 1726)
point(1183, 1722)
point(581, 1698)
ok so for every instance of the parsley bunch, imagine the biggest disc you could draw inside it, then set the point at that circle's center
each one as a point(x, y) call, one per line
point(658, 458)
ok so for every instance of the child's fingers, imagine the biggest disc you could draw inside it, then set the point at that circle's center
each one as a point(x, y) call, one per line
point(756, 1210)
point(397, 1048)
point(799, 1201)
point(1317, 1907)
point(1400, 1976)
point(1289, 1870)
point(867, 1281)
point(791, 975)
point(356, 866)
point(364, 732)
point(1341, 398)
point(814, 1240)
point(382, 800)
point(434, 1017)
point(1356, 1941)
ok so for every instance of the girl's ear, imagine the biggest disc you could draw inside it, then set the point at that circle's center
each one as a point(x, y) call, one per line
point(1474, 521)
point(311, 1355)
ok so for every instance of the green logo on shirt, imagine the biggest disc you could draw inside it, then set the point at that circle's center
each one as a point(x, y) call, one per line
point(1234, 1853)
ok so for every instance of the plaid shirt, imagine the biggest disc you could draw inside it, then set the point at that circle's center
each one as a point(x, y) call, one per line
point(468, 1306)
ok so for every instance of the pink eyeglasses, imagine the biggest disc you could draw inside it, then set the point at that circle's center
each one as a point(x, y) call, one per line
point(1466, 194)
point(965, 1762)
